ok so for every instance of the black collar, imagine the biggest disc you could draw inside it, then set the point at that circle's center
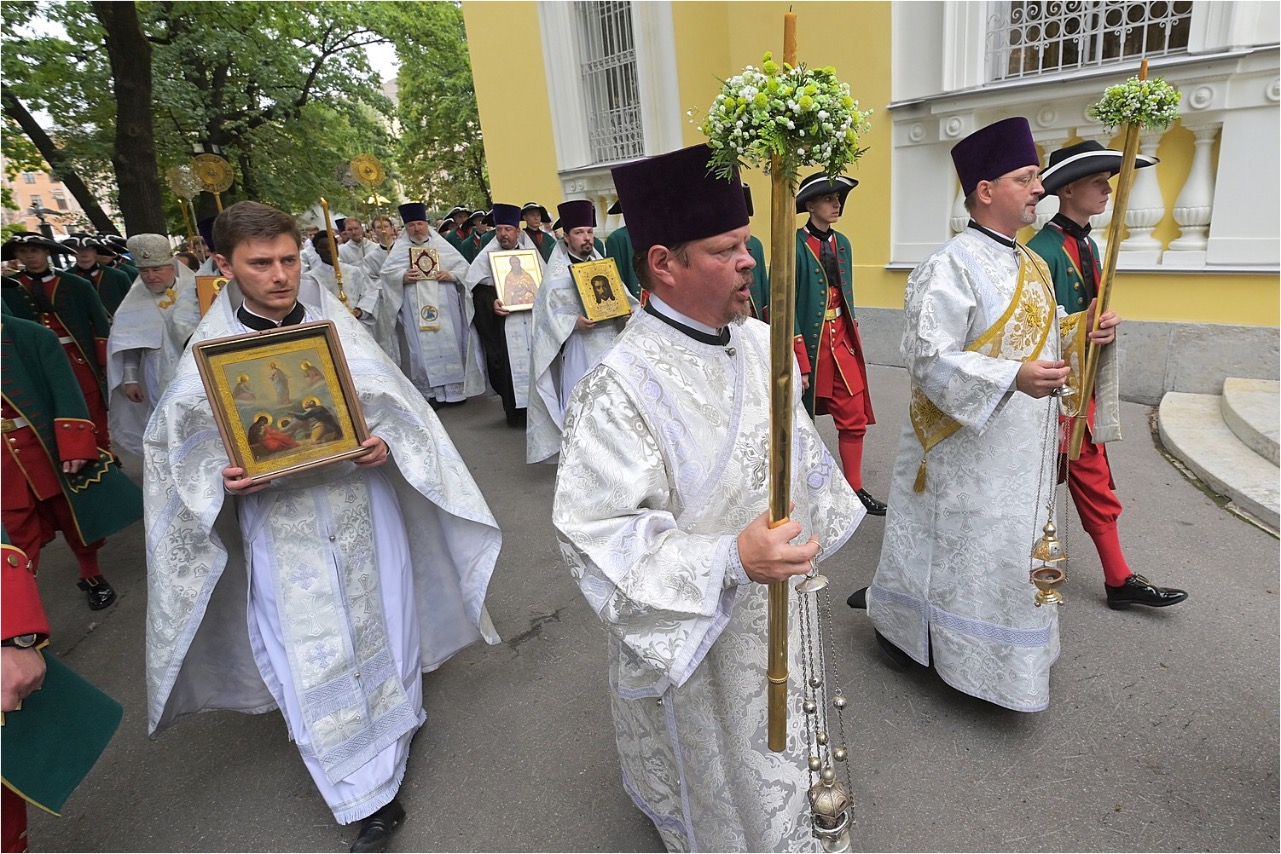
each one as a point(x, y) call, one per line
point(720, 339)
point(1007, 242)
point(821, 235)
point(262, 324)
point(1071, 227)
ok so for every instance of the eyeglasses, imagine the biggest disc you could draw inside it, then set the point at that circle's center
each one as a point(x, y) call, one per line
point(1024, 181)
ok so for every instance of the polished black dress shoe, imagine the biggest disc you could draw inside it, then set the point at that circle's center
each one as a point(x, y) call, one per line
point(377, 829)
point(897, 657)
point(874, 507)
point(858, 599)
point(98, 591)
point(1137, 590)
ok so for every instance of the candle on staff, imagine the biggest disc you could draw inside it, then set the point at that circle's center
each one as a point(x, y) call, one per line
point(789, 38)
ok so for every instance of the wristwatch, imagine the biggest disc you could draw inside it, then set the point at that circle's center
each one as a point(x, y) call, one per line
point(21, 641)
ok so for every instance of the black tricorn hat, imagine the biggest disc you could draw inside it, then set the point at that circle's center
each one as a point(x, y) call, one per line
point(30, 238)
point(1083, 159)
point(819, 184)
point(80, 240)
point(535, 206)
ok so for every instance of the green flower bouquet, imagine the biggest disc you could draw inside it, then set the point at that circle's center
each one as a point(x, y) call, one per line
point(785, 115)
point(1152, 104)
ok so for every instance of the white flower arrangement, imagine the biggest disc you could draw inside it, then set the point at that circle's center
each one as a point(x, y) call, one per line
point(1153, 104)
point(803, 116)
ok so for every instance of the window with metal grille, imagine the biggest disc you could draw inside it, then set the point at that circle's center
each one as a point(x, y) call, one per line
point(610, 92)
point(29, 177)
point(1027, 39)
point(60, 200)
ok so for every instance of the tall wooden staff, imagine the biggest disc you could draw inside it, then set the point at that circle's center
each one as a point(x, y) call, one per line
point(782, 275)
point(333, 251)
point(1145, 116)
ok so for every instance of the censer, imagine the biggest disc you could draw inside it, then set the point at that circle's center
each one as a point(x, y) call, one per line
point(1048, 551)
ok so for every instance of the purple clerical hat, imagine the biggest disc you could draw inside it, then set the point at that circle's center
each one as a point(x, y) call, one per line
point(992, 151)
point(413, 212)
point(340, 224)
point(506, 215)
point(577, 213)
point(674, 198)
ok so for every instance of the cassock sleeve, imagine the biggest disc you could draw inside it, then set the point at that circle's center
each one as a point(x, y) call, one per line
point(664, 592)
point(940, 306)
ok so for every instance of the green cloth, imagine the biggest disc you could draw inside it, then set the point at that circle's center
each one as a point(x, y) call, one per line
point(113, 287)
point(619, 247)
point(129, 270)
point(1069, 290)
point(38, 382)
point(78, 306)
point(53, 741)
point(760, 277)
point(811, 294)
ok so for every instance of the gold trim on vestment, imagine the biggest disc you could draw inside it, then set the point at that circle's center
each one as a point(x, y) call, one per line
point(1016, 335)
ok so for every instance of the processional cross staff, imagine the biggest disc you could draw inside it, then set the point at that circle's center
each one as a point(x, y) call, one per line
point(333, 252)
point(779, 118)
point(1137, 104)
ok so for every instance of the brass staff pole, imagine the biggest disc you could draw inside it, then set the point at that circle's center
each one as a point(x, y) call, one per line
point(218, 201)
point(333, 251)
point(1129, 151)
point(186, 221)
point(782, 324)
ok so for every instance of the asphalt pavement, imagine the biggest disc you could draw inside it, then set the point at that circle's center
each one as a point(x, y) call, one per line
point(1162, 733)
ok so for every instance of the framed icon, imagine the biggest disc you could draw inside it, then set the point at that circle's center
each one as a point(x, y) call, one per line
point(517, 275)
point(283, 399)
point(207, 290)
point(426, 260)
point(601, 289)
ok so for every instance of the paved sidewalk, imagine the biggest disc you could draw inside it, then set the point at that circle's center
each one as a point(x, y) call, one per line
point(1162, 734)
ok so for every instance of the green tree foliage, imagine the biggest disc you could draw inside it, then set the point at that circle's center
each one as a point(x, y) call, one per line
point(283, 89)
point(440, 152)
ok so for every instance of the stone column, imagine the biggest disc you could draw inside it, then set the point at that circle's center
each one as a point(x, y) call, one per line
point(960, 216)
point(1049, 204)
point(1194, 207)
point(1146, 209)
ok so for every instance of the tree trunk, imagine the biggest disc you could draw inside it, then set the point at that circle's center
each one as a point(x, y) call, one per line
point(14, 109)
point(134, 158)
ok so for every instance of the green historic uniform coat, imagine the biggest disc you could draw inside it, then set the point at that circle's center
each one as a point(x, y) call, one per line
point(811, 294)
point(78, 308)
point(1059, 253)
point(112, 286)
point(760, 278)
point(619, 247)
point(38, 383)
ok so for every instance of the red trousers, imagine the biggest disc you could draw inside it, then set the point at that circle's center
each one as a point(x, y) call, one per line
point(840, 390)
point(1094, 494)
point(13, 821)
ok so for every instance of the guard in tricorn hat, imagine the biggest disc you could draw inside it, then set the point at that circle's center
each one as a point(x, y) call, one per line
point(111, 283)
point(111, 253)
point(537, 220)
point(660, 511)
point(985, 352)
point(1080, 175)
point(828, 347)
point(68, 305)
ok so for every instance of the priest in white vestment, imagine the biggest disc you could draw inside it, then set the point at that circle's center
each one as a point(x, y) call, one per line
point(988, 352)
point(661, 510)
point(325, 594)
point(507, 336)
point(364, 294)
point(440, 349)
point(359, 249)
point(148, 333)
point(565, 343)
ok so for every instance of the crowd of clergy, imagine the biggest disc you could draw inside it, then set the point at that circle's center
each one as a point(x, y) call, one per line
point(97, 359)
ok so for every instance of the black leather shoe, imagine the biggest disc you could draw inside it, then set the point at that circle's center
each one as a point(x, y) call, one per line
point(900, 659)
point(858, 599)
point(377, 829)
point(99, 592)
point(1137, 590)
point(874, 507)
